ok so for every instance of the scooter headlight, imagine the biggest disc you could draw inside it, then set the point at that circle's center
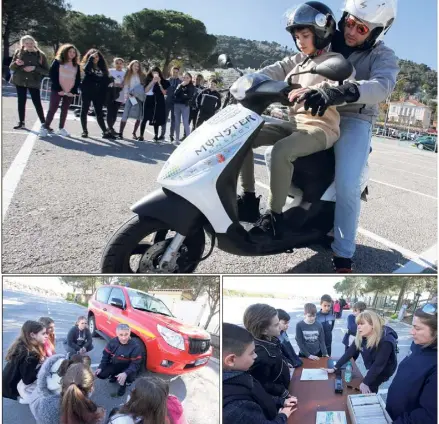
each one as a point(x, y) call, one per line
point(240, 86)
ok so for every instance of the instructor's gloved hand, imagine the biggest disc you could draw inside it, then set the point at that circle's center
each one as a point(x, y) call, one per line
point(319, 99)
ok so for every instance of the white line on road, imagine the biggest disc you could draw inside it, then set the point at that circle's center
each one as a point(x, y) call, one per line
point(13, 175)
point(427, 259)
point(403, 189)
point(413, 155)
point(403, 170)
point(16, 132)
point(409, 162)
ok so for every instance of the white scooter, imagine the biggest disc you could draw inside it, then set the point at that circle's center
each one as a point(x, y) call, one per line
point(199, 189)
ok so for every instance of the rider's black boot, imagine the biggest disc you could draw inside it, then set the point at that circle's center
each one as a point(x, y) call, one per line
point(270, 223)
point(342, 265)
point(248, 207)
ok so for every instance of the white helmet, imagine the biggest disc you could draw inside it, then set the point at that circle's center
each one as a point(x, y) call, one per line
point(379, 13)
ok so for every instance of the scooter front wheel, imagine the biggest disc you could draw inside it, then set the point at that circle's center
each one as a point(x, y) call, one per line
point(140, 243)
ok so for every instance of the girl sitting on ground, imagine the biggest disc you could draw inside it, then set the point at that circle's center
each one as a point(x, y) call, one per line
point(49, 346)
point(79, 339)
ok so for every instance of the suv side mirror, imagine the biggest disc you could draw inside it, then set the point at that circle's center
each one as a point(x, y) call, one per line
point(116, 302)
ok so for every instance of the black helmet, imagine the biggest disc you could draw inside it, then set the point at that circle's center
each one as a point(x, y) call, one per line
point(318, 18)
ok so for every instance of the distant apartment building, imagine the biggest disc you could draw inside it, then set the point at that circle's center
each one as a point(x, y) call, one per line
point(410, 112)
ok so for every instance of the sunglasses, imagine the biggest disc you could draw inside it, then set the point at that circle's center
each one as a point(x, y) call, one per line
point(351, 22)
point(430, 308)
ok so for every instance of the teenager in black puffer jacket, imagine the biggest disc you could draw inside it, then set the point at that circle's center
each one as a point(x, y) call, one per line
point(182, 97)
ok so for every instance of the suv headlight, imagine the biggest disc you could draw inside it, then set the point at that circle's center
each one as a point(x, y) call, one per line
point(171, 337)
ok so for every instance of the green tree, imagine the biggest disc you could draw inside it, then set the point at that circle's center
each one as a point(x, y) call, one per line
point(169, 35)
point(83, 284)
point(26, 17)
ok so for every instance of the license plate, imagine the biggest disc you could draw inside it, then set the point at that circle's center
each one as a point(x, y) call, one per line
point(201, 361)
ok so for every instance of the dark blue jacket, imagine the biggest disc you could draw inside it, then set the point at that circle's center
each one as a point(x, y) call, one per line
point(328, 322)
point(352, 329)
point(412, 396)
point(288, 350)
point(245, 401)
point(379, 361)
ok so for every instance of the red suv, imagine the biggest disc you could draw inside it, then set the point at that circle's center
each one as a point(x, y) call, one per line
point(169, 346)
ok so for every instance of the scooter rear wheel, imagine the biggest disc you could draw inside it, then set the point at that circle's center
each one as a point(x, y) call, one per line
point(138, 245)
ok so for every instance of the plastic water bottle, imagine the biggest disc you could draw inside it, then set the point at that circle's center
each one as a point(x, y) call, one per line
point(348, 373)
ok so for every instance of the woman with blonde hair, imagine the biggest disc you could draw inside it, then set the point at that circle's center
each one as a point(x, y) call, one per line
point(30, 65)
point(65, 76)
point(76, 405)
point(376, 343)
point(133, 99)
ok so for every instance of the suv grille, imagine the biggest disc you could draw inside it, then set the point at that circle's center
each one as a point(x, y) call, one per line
point(198, 346)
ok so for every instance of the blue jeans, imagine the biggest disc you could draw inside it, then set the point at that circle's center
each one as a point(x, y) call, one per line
point(351, 153)
point(169, 110)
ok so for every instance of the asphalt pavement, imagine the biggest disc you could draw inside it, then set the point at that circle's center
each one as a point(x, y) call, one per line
point(198, 391)
point(66, 196)
point(233, 310)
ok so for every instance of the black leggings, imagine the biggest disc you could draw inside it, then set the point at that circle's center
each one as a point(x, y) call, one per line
point(143, 125)
point(36, 100)
point(98, 103)
point(112, 109)
point(193, 118)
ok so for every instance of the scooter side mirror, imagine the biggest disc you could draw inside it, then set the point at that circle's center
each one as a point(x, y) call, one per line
point(224, 61)
point(334, 68)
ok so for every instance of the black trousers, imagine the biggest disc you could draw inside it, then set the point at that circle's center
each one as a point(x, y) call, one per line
point(98, 103)
point(193, 118)
point(202, 118)
point(111, 370)
point(329, 350)
point(36, 100)
point(112, 109)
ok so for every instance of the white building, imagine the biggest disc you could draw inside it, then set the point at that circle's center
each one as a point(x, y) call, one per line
point(410, 112)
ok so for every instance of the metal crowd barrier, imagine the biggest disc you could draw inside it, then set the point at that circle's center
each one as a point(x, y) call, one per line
point(45, 94)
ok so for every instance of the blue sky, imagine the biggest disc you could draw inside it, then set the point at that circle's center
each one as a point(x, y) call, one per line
point(413, 35)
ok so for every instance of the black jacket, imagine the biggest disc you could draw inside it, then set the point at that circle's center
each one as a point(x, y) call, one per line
point(54, 78)
point(412, 396)
point(288, 350)
point(117, 353)
point(184, 93)
point(246, 401)
point(85, 339)
point(271, 367)
point(24, 367)
point(208, 102)
point(380, 361)
point(94, 79)
point(328, 322)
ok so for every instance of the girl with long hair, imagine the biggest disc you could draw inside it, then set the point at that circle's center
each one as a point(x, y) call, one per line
point(154, 108)
point(79, 339)
point(412, 396)
point(30, 65)
point(24, 359)
point(134, 77)
point(94, 89)
point(115, 93)
point(376, 343)
point(182, 98)
point(76, 406)
point(150, 403)
point(65, 76)
point(49, 346)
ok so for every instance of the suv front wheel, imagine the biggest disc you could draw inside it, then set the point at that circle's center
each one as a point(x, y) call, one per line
point(92, 325)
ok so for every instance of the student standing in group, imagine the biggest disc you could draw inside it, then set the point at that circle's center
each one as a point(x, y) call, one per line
point(244, 399)
point(174, 81)
point(115, 93)
point(49, 345)
point(412, 396)
point(132, 85)
point(376, 344)
point(286, 346)
point(358, 308)
point(199, 87)
point(76, 405)
point(310, 336)
point(327, 319)
point(29, 65)
point(271, 367)
point(23, 360)
point(94, 89)
point(154, 108)
point(336, 309)
point(182, 97)
point(65, 76)
point(208, 102)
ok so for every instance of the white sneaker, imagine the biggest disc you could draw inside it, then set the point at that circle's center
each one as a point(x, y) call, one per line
point(63, 132)
point(176, 143)
point(43, 132)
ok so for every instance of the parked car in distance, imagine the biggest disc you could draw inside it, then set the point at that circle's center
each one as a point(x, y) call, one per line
point(427, 142)
point(169, 346)
point(347, 306)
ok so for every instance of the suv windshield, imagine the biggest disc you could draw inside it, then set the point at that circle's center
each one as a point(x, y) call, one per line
point(145, 302)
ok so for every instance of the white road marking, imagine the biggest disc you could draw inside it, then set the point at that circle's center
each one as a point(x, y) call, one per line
point(419, 260)
point(403, 189)
point(408, 162)
point(16, 132)
point(403, 170)
point(13, 175)
point(416, 154)
point(427, 259)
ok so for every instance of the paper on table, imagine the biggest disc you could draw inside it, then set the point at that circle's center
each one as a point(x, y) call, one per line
point(133, 101)
point(309, 374)
point(331, 417)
